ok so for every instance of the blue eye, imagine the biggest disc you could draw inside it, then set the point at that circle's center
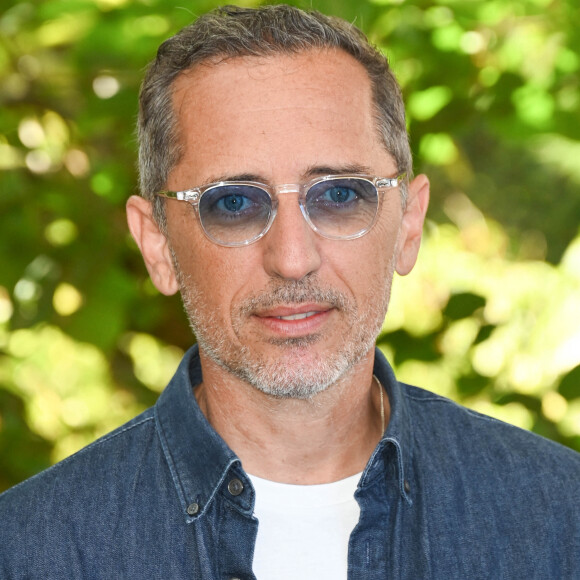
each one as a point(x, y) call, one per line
point(339, 194)
point(232, 203)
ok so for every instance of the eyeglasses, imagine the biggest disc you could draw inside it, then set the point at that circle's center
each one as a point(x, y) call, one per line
point(238, 213)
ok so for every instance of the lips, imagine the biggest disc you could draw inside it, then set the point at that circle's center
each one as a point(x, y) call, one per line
point(299, 320)
point(300, 316)
point(292, 312)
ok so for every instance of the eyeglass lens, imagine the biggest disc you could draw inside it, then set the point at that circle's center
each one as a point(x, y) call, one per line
point(233, 214)
point(342, 207)
point(239, 213)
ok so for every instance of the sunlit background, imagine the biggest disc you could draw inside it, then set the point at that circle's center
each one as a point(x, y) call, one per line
point(491, 315)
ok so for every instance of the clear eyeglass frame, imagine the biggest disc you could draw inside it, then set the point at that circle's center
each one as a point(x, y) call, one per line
point(193, 197)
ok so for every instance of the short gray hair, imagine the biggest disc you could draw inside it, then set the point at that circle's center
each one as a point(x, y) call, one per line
point(231, 31)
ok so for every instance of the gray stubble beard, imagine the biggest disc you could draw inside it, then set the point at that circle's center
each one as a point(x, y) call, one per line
point(283, 379)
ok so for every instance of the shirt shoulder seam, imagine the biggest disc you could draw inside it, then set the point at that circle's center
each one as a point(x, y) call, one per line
point(108, 437)
point(434, 398)
point(81, 452)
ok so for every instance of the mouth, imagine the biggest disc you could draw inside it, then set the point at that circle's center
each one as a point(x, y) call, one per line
point(300, 316)
point(295, 321)
point(290, 312)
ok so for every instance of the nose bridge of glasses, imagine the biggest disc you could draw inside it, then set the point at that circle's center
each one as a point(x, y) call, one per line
point(287, 188)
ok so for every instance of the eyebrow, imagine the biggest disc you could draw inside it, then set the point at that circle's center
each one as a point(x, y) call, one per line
point(312, 171)
point(236, 177)
point(348, 169)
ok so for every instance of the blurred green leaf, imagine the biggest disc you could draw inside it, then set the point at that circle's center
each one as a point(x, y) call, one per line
point(569, 386)
point(463, 305)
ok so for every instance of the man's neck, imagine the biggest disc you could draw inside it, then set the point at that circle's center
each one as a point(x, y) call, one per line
point(301, 441)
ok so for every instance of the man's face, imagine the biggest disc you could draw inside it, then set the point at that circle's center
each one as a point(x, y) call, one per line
point(293, 312)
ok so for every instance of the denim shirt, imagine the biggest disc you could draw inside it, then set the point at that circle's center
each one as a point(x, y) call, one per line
point(447, 493)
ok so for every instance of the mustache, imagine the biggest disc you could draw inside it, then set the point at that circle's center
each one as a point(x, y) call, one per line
point(285, 293)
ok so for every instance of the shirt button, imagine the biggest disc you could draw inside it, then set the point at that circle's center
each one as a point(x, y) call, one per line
point(407, 486)
point(235, 486)
point(192, 508)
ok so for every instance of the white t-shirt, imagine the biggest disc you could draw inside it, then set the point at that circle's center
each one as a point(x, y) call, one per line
point(304, 530)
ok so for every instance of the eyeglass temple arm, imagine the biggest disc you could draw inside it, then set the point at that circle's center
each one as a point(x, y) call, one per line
point(185, 195)
point(391, 181)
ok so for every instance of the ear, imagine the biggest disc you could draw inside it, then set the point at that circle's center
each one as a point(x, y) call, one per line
point(153, 245)
point(412, 224)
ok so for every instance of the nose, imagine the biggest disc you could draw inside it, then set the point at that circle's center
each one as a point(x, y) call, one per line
point(291, 247)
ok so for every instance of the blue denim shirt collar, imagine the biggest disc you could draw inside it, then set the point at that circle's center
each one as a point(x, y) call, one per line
point(395, 448)
point(199, 460)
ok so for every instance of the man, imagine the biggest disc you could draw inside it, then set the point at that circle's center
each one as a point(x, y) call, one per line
point(278, 198)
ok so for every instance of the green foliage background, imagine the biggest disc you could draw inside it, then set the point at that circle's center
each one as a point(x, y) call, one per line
point(491, 315)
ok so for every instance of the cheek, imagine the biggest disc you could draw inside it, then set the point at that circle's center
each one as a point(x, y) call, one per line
point(207, 266)
point(376, 250)
point(224, 276)
point(366, 274)
point(372, 266)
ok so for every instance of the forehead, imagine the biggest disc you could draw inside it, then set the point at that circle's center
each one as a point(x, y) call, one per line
point(275, 113)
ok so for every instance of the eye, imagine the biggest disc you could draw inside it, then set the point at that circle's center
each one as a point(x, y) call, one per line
point(343, 194)
point(233, 203)
point(339, 194)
